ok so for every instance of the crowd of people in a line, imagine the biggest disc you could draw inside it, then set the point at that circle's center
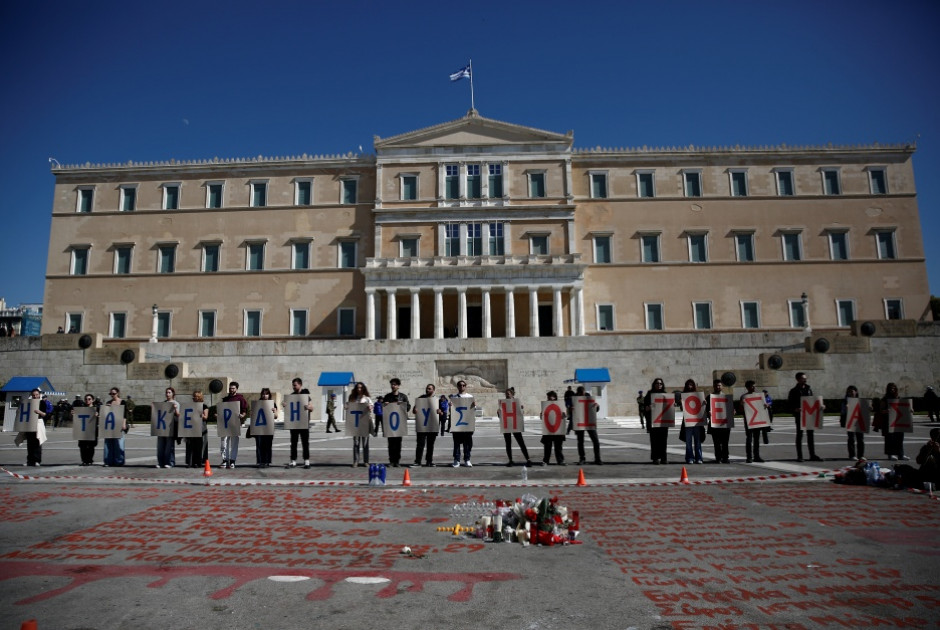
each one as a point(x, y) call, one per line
point(697, 421)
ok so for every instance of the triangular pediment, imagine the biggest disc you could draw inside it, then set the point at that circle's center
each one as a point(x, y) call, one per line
point(473, 130)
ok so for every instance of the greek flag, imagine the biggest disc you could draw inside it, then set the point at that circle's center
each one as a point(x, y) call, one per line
point(463, 73)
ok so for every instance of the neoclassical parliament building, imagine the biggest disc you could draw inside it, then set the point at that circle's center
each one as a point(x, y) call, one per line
point(478, 228)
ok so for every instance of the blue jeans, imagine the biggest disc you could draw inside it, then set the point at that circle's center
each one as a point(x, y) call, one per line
point(166, 451)
point(693, 445)
point(114, 451)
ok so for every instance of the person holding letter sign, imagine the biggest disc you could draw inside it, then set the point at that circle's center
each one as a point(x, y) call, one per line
point(693, 422)
point(852, 419)
point(197, 448)
point(166, 448)
point(229, 444)
point(553, 427)
point(511, 417)
point(659, 433)
point(264, 442)
point(585, 419)
point(85, 415)
point(720, 419)
point(795, 400)
point(113, 420)
point(756, 419)
point(894, 419)
point(360, 394)
point(394, 441)
point(427, 413)
point(31, 414)
point(301, 434)
point(462, 439)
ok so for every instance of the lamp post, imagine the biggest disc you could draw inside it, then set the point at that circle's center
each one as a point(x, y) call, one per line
point(153, 330)
point(805, 301)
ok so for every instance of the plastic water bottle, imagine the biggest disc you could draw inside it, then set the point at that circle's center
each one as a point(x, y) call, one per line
point(525, 473)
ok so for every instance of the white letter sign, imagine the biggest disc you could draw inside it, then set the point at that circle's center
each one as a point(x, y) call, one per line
point(584, 410)
point(900, 416)
point(296, 415)
point(27, 418)
point(722, 411)
point(857, 415)
point(358, 420)
point(511, 419)
point(228, 423)
point(663, 410)
point(553, 418)
point(162, 417)
point(83, 423)
point(190, 420)
point(755, 411)
point(111, 421)
point(693, 409)
point(426, 418)
point(811, 412)
point(262, 418)
point(463, 417)
point(395, 417)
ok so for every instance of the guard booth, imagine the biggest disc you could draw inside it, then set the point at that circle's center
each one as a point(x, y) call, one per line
point(337, 383)
point(595, 381)
point(20, 387)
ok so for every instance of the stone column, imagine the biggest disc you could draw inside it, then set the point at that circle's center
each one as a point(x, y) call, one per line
point(462, 312)
point(510, 313)
point(392, 305)
point(487, 317)
point(438, 313)
point(415, 315)
point(557, 324)
point(370, 314)
point(533, 311)
point(579, 304)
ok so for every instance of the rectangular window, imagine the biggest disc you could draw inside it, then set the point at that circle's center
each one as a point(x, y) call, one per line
point(259, 194)
point(654, 317)
point(304, 192)
point(451, 181)
point(409, 187)
point(350, 191)
point(163, 324)
point(409, 248)
point(702, 312)
point(797, 314)
point(496, 180)
point(86, 199)
point(474, 183)
point(214, 195)
point(211, 252)
point(831, 183)
point(539, 245)
point(255, 260)
point(347, 255)
point(645, 184)
point(536, 185)
point(207, 323)
point(698, 248)
point(171, 197)
point(692, 183)
point(839, 245)
point(298, 322)
point(886, 248)
point(166, 259)
point(744, 246)
point(845, 310)
point(785, 186)
point(80, 261)
point(602, 255)
point(650, 244)
point(738, 183)
point(894, 308)
point(128, 198)
point(750, 314)
point(452, 239)
point(605, 316)
point(346, 321)
point(74, 322)
point(497, 246)
point(252, 323)
point(122, 259)
point(474, 239)
point(598, 185)
point(118, 325)
point(878, 179)
point(300, 255)
point(792, 247)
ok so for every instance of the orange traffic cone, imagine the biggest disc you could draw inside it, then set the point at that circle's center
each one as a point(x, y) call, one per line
point(29, 625)
point(684, 477)
point(407, 480)
point(581, 481)
point(208, 470)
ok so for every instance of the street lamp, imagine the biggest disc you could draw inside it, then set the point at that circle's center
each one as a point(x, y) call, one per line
point(805, 301)
point(153, 330)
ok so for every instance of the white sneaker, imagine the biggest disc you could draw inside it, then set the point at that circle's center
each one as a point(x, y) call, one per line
point(292, 464)
point(905, 458)
point(158, 466)
point(893, 457)
point(468, 464)
point(231, 464)
point(167, 466)
point(455, 464)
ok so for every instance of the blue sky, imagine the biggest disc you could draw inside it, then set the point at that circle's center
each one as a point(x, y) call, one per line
point(105, 81)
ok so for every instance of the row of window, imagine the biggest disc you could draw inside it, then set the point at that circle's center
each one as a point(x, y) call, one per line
point(750, 314)
point(791, 243)
point(215, 194)
point(346, 318)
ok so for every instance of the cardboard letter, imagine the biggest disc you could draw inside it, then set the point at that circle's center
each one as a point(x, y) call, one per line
point(190, 420)
point(755, 411)
point(295, 412)
point(395, 417)
point(693, 409)
point(228, 423)
point(358, 420)
point(83, 423)
point(584, 410)
point(462, 415)
point(426, 418)
point(811, 412)
point(553, 418)
point(511, 419)
point(900, 416)
point(663, 410)
point(262, 418)
point(857, 415)
point(722, 411)
point(27, 418)
point(111, 421)
point(162, 418)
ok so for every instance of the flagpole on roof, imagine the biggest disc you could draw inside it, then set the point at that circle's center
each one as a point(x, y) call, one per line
point(470, 65)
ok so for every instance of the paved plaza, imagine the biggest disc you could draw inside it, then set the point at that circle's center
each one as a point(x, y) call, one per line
point(772, 545)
